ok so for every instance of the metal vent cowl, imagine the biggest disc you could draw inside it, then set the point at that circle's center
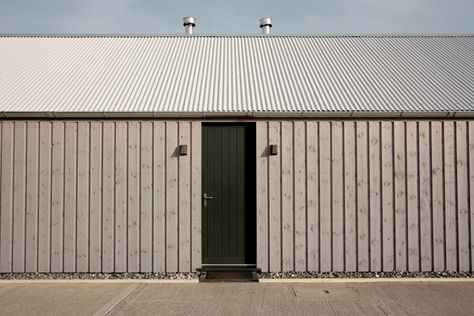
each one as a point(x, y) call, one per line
point(265, 25)
point(189, 23)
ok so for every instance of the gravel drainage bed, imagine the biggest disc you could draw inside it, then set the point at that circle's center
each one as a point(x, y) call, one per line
point(334, 275)
point(98, 276)
point(263, 275)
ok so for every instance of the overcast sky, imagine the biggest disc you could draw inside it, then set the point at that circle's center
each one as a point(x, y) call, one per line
point(237, 16)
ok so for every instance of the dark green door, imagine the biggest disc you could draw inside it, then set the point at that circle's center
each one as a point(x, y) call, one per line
point(228, 187)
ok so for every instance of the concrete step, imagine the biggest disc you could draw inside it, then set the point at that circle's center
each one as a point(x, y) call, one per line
point(228, 274)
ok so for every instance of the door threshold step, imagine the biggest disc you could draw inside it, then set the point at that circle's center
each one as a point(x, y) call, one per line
point(228, 274)
point(228, 268)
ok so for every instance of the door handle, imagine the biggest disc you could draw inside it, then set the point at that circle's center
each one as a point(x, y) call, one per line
point(205, 197)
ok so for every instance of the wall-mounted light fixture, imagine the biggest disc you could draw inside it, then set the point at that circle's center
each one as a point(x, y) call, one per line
point(183, 150)
point(273, 150)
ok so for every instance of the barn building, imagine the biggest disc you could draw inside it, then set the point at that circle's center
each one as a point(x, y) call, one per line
point(165, 153)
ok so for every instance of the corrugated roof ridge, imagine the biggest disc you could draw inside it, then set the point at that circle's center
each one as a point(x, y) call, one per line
point(157, 35)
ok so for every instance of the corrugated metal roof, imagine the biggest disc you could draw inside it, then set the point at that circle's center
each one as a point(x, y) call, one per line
point(236, 74)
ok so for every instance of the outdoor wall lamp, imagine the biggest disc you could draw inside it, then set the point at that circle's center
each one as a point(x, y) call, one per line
point(273, 150)
point(183, 150)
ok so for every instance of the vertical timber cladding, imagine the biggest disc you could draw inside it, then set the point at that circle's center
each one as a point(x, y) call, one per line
point(340, 195)
point(359, 195)
point(92, 196)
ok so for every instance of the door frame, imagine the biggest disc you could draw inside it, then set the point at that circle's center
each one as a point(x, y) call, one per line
point(251, 185)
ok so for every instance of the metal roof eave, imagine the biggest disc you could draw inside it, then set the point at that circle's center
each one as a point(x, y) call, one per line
point(239, 115)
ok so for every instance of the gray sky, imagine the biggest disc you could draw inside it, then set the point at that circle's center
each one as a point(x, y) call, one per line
point(237, 17)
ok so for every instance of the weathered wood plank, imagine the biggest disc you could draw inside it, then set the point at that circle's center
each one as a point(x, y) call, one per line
point(275, 199)
point(196, 195)
point(32, 175)
point(262, 195)
point(159, 197)
point(350, 240)
point(95, 222)
point(325, 196)
point(83, 161)
point(300, 195)
point(133, 219)
point(312, 183)
point(287, 195)
point(57, 187)
point(425, 208)
point(350, 223)
point(337, 197)
point(387, 197)
point(171, 197)
point(44, 197)
point(363, 238)
point(121, 172)
point(184, 187)
point(19, 190)
point(6, 209)
point(437, 198)
point(70, 178)
point(412, 195)
point(374, 197)
point(462, 195)
point(471, 186)
point(450, 196)
point(400, 197)
point(146, 197)
point(108, 198)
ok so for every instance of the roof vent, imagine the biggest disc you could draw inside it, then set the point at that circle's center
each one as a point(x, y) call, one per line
point(265, 25)
point(189, 23)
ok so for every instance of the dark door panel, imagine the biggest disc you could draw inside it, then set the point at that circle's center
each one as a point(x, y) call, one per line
point(228, 181)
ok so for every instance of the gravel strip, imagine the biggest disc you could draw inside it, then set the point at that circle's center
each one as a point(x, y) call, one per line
point(263, 275)
point(98, 276)
point(334, 275)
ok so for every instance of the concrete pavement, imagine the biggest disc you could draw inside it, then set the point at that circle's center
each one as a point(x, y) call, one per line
point(330, 298)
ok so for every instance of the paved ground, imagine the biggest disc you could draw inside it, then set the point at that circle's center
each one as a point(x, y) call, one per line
point(439, 298)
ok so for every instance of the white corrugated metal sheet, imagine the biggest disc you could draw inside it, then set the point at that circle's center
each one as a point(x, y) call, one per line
point(236, 74)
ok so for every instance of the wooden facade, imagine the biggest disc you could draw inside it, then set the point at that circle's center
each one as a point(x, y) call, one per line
point(366, 195)
point(99, 196)
point(340, 195)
